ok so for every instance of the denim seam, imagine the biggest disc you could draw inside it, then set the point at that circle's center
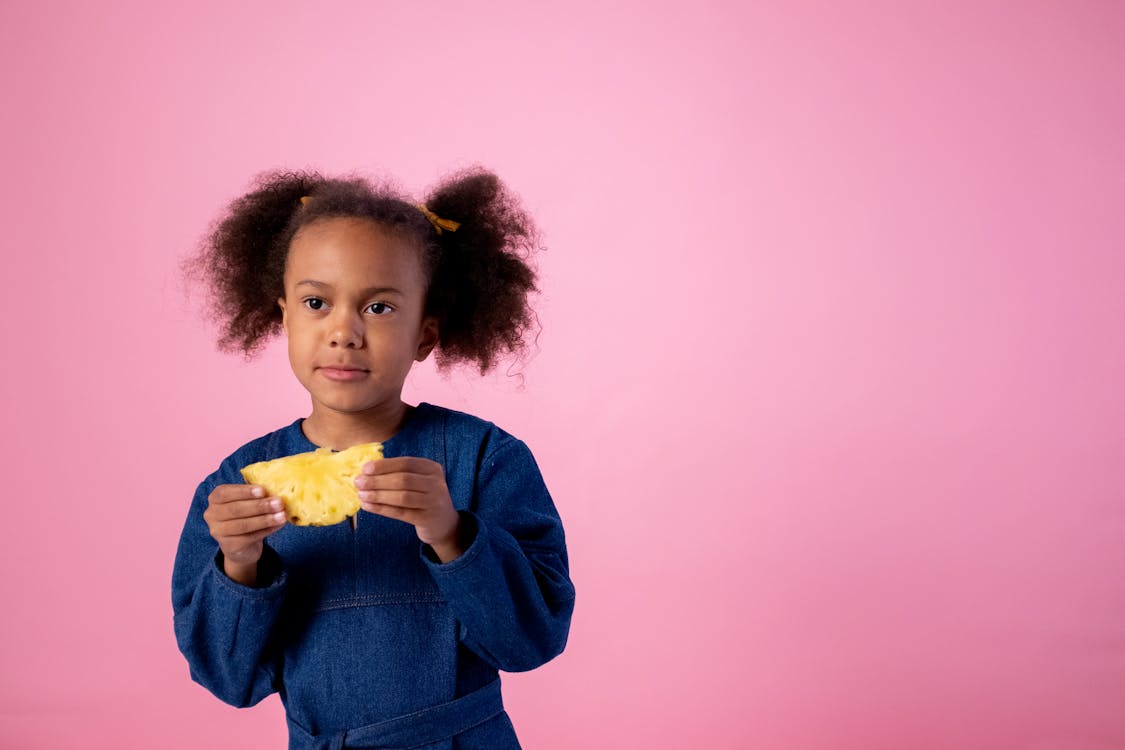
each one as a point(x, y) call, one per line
point(502, 443)
point(448, 736)
point(374, 600)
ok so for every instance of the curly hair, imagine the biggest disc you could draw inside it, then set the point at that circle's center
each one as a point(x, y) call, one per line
point(480, 276)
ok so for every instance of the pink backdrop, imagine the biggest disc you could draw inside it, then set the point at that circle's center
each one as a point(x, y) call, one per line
point(830, 383)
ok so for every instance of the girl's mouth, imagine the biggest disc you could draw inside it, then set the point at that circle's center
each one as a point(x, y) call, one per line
point(342, 373)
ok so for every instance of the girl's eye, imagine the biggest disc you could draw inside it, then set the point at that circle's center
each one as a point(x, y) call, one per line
point(314, 303)
point(379, 308)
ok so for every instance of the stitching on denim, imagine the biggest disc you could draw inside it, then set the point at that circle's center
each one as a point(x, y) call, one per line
point(373, 600)
point(502, 443)
point(460, 731)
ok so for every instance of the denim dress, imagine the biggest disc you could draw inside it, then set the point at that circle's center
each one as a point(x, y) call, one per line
point(369, 640)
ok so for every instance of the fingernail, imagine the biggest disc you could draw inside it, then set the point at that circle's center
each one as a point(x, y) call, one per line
point(278, 517)
point(275, 503)
point(258, 492)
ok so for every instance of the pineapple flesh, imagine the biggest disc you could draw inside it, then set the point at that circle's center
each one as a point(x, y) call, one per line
point(317, 488)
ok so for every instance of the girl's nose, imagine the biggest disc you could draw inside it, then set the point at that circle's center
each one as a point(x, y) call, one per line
point(347, 331)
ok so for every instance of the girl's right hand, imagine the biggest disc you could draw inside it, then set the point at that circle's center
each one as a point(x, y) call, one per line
point(239, 517)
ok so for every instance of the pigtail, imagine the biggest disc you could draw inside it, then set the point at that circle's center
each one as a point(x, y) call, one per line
point(482, 278)
point(243, 258)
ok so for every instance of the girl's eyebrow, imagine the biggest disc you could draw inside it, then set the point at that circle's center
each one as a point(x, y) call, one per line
point(369, 291)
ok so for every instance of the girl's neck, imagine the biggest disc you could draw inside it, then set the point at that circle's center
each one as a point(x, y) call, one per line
point(339, 430)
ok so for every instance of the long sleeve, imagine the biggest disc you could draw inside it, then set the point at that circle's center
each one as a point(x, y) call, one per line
point(222, 627)
point(510, 590)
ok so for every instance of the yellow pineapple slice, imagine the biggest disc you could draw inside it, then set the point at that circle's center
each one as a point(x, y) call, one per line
point(317, 488)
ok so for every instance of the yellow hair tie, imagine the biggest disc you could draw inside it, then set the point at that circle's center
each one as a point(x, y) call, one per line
point(438, 222)
point(305, 199)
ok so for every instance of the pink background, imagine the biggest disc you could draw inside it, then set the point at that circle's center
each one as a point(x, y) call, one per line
point(830, 383)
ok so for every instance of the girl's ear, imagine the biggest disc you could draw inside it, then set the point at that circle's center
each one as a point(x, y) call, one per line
point(281, 304)
point(427, 339)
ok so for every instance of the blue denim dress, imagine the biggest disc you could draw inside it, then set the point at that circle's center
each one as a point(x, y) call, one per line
point(367, 637)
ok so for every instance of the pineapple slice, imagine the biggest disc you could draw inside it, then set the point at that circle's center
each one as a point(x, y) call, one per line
point(317, 488)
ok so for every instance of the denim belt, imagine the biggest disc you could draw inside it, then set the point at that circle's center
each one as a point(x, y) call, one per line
point(417, 729)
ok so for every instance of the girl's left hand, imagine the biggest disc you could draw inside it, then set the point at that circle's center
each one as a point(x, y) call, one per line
point(413, 490)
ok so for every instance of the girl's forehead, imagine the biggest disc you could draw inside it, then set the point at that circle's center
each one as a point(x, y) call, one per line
point(341, 229)
point(350, 248)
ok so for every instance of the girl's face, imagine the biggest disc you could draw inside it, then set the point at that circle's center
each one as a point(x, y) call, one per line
point(352, 311)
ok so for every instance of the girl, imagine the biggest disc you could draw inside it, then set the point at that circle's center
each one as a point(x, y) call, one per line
point(388, 632)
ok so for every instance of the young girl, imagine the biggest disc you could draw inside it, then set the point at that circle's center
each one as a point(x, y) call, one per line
point(387, 632)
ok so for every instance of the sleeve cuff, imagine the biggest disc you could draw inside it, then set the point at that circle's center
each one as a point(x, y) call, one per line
point(471, 533)
point(271, 576)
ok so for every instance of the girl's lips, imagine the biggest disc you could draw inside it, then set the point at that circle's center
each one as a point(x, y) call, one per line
point(342, 373)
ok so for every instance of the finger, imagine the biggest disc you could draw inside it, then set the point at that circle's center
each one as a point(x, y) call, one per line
point(409, 464)
point(398, 498)
point(242, 526)
point(395, 481)
point(226, 493)
point(245, 540)
point(402, 480)
point(245, 508)
point(409, 515)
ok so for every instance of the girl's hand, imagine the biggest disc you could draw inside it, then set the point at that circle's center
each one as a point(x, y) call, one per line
point(240, 516)
point(413, 490)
